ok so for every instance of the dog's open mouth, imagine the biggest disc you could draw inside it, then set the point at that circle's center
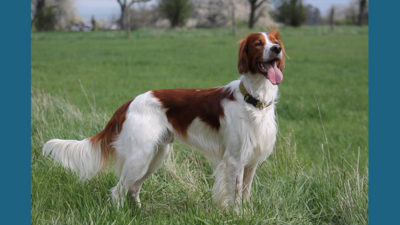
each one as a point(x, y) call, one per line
point(271, 71)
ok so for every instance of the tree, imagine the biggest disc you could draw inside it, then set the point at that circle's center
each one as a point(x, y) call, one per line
point(211, 13)
point(215, 16)
point(291, 12)
point(176, 11)
point(313, 15)
point(254, 6)
point(37, 11)
point(94, 23)
point(144, 17)
point(52, 14)
point(34, 8)
point(351, 14)
point(332, 17)
point(233, 18)
point(124, 19)
point(45, 17)
point(361, 11)
point(66, 15)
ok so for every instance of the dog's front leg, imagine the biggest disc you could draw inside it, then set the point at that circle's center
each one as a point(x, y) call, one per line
point(238, 189)
point(248, 176)
point(227, 190)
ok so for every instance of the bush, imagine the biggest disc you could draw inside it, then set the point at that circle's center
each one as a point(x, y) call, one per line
point(291, 12)
point(176, 11)
point(46, 19)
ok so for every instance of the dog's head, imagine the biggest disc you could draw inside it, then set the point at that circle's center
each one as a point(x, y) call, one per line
point(262, 53)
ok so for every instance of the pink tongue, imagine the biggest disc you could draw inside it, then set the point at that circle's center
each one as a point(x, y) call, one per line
point(274, 74)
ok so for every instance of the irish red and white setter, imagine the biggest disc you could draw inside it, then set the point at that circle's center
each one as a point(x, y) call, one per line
point(234, 125)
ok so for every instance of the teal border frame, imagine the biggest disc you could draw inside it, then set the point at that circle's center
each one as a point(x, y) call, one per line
point(15, 130)
point(384, 112)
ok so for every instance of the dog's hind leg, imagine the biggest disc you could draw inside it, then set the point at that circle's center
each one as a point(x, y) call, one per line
point(135, 159)
point(161, 152)
point(133, 169)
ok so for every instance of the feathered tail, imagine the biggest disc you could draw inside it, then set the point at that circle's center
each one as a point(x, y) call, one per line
point(88, 156)
point(82, 157)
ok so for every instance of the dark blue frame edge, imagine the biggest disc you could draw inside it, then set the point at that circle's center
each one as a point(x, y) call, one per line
point(15, 99)
point(384, 113)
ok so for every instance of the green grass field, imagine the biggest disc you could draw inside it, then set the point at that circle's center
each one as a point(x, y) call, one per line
point(318, 173)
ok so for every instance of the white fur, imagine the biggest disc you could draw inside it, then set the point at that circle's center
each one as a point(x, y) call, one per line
point(80, 156)
point(245, 138)
point(267, 55)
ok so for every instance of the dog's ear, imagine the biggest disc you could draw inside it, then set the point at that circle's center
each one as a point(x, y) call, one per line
point(243, 62)
point(275, 33)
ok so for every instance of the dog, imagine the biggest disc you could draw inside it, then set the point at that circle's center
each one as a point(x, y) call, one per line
point(233, 125)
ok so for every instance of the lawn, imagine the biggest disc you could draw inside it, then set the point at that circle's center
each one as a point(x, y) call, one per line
point(318, 173)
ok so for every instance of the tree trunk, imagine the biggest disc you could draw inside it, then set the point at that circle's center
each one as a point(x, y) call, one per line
point(233, 19)
point(332, 18)
point(128, 23)
point(125, 20)
point(361, 11)
point(38, 10)
point(251, 17)
point(122, 17)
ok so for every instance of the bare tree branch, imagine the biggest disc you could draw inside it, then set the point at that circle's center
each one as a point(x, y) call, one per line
point(124, 20)
point(136, 1)
point(254, 7)
point(259, 4)
point(258, 16)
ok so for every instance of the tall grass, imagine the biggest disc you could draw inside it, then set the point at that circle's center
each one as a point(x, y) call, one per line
point(318, 173)
point(285, 191)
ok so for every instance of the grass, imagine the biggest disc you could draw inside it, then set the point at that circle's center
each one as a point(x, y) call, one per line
point(318, 173)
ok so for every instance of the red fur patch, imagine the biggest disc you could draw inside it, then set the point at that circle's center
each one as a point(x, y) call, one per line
point(111, 130)
point(184, 105)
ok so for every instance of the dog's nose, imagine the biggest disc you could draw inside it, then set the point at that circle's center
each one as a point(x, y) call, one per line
point(276, 49)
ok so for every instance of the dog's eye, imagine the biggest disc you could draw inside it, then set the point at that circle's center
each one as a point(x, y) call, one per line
point(276, 42)
point(259, 43)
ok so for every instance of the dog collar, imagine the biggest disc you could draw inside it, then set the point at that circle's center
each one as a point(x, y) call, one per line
point(251, 100)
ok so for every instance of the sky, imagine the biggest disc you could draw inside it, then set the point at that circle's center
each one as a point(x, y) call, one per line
point(325, 5)
point(105, 9)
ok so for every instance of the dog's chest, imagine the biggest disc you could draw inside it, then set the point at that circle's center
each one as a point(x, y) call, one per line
point(264, 129)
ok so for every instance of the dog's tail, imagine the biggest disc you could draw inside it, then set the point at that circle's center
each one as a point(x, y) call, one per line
point(88, 156)
point(83, 157)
